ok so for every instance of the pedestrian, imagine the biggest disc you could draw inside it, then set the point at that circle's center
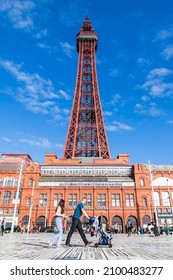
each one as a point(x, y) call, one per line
point(60, 215)
point(3, 226)
point(166, 228)
point(129, 227)
point(76, 223)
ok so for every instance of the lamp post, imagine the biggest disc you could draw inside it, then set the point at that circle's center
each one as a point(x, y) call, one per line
point(45, 222)
point(152, 187)
point(149, 207)
point(169, 196)
point(31, 205)
point(22, 168)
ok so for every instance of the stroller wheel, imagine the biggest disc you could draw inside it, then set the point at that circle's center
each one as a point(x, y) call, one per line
point(96, 245)
point(110, 245)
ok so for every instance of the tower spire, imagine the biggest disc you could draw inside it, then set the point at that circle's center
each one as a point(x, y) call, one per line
point(86, 135)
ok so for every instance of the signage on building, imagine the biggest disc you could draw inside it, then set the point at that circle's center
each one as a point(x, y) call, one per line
point(165, 215)
point(16, 201)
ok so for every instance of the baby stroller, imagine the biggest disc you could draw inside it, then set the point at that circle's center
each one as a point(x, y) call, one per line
point(104, 233)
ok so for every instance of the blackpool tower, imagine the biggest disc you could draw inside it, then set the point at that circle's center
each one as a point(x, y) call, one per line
point(86, 136)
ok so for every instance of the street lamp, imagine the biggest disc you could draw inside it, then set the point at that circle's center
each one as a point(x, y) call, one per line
point(149, 207)
point(45, 221)
point(152, 187)
point(22, 168)
point(169, 196)
point(31, 205)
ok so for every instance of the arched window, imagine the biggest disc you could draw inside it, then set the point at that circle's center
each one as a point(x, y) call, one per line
point(142, 182)
point(9, 182)
point(144, 201)
point(28, 202)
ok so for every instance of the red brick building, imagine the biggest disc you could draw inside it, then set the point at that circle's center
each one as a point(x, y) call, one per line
point(115, 190)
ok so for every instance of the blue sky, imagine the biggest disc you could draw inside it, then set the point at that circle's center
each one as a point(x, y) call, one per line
point(38, 66)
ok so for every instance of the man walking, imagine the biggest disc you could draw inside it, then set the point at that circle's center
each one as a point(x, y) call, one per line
point(76, 223)
point(3, 226)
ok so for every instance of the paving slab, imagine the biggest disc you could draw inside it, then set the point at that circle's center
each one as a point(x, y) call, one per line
point(18, 246)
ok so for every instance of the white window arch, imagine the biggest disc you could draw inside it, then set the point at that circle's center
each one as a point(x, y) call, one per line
point(9, 182)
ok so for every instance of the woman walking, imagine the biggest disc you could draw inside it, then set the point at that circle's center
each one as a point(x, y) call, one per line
point(60, 215)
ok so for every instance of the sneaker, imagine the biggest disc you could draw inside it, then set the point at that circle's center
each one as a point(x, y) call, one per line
point(88, 243)
point(58, 246)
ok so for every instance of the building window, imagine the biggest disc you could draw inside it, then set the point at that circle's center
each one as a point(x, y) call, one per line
point(165, 199)
point(6, 197)
point(57, 197)
point(156, 199)
point(5, 211)
point(159, 210)
point(31, 182)
point(165, 210)
point(15, 195)
point(72, 199)
point(88, 198)
point(28, 202)
point(101, 199)
point(142, 182)
point(1, 211)
point(144, 202)
point(43, 200)
point(130, 200)
point(116, 200)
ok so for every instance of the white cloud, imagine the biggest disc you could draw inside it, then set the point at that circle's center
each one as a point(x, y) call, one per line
point(164, 34)
point(19, 13)
point(115, 126)
point(64, 94)
point(115, 99)
point(41, 34)
point(39, 142)
point(156, 85)
point(167, 53)
point(59, 146)
point(113, 72)
point(170, 122)
point(43, 46)
point(148, 109)
point(36, 93)
point(6, 139)
point(159, 72)
point(67, 48)
point(142, 61)
point(107, 113)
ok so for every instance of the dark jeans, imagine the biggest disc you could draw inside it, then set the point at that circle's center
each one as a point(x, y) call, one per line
point(76, 223)
point(2, 230)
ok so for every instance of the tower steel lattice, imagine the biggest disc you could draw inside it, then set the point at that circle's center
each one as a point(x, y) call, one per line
point(86, 135)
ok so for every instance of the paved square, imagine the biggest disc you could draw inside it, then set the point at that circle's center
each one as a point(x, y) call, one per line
point(19, 246)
